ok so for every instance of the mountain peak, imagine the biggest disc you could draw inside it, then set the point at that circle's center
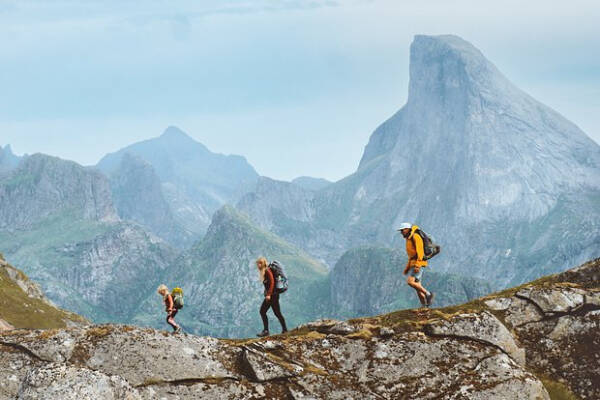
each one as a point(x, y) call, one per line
point(449, 67)
point(174, 133)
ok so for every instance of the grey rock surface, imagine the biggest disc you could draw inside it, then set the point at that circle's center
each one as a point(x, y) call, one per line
point(71, 383)
point(483, 327)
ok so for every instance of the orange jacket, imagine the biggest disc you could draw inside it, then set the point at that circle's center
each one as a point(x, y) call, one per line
point(414, 249)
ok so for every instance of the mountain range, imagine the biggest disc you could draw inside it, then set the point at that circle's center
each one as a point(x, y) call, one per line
point(194, 182)
point(507, 186)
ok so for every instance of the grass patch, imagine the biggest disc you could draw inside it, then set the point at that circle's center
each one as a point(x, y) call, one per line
point(557, 390)
point(22, 311)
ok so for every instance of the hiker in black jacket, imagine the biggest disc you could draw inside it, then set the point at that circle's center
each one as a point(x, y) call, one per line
point(271, 296)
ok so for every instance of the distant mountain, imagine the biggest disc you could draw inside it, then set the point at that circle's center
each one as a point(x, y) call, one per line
point(221, 284)
point(195, 182)
point(23, 305)
point(310, 183)
point(8, 161)
point(43, 186)
point(369, 280)
point(510, 188)
point(58, 222)
point(138, 196)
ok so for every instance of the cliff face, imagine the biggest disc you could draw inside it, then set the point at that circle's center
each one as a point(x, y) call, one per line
point(523, 343)
point(138, 196)
point(508, 186)
point(43, 186)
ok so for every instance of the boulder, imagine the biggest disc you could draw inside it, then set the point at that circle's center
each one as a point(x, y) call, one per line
point(483, 327)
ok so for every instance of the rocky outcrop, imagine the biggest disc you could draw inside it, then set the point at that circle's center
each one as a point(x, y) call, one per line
point(132, 363)
point(469, 351)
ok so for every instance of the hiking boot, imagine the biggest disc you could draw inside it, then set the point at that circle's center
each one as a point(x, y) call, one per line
point(177, 330)
point(283, 331)
point(430, 297)
point(263, 333)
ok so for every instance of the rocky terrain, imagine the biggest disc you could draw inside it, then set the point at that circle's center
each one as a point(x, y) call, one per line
point(535, 341)
point(24, 305)
point(509, 187)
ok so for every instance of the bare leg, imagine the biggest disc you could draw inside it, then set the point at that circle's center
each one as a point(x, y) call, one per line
point(421, 298)
point(421, 291)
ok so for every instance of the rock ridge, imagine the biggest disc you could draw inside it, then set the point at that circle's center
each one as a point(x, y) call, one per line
point(478, 350)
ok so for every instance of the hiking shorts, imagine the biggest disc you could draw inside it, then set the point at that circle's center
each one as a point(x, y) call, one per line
point(416, 275)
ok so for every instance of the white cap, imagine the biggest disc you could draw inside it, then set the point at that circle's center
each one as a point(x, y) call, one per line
point(405, 225)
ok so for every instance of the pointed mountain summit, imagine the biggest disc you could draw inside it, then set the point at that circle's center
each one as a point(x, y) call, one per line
point(195, 182)
point(508, 186)
point(8, 160)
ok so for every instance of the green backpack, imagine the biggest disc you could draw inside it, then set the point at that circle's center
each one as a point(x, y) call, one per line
point(177, 295)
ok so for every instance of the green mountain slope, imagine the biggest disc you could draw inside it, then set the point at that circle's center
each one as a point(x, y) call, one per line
point(23, 305)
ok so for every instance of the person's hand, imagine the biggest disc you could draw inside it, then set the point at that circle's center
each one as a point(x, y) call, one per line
point(268, 298)
point(405, 271)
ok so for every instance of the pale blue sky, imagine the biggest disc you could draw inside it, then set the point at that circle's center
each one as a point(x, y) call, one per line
point(295, 86)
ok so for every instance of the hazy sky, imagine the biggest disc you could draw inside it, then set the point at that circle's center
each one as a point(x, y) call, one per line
point(295, 86)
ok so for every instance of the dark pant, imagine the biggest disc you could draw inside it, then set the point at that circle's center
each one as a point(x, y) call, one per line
point(171, 319)
point(265, 307)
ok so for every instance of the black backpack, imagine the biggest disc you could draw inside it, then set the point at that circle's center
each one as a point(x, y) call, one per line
point(281, 281)
point(430, 248)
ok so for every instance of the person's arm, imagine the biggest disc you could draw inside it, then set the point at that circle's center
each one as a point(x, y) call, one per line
point(271, 280)
point(420, 250)
point(169, 303)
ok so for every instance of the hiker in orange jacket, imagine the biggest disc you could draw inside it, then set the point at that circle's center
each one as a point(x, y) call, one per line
point(415, 264)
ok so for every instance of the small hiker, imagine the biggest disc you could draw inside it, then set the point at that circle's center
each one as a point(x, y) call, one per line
point(169, 307)
point(416, 261)
point(271, 300)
